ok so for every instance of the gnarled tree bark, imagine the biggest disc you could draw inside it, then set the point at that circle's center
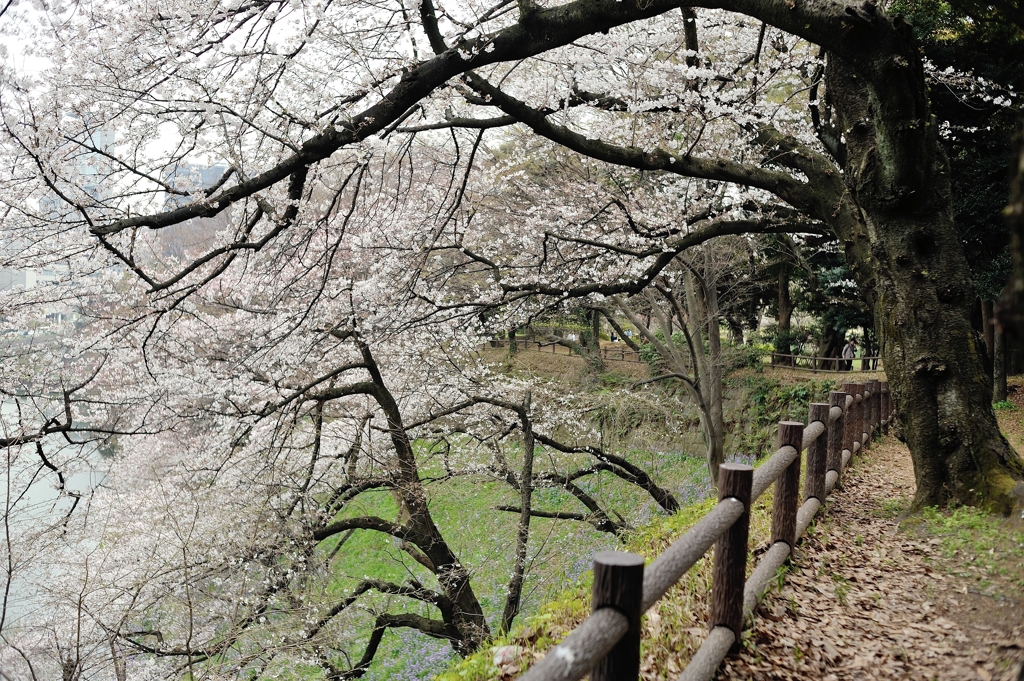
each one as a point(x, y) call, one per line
point(895, 222)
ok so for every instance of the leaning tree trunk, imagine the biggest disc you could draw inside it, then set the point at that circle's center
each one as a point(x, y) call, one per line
point(702, 313)
point(829, 346)
point(999, 367)
point(897, 229)
point(593, 338)
point(464, 620)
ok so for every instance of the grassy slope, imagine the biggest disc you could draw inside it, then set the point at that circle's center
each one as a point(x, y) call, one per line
point(483, 538)
point(675, 627)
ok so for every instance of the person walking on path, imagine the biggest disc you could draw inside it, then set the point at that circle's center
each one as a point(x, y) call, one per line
point(848, 352)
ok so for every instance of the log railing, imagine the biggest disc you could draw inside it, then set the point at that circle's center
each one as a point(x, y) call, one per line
point(623, 353)
point(834, 364)
point(607, 643)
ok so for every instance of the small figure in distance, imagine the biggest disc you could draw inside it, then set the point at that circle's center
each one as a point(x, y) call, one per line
point(848, 352)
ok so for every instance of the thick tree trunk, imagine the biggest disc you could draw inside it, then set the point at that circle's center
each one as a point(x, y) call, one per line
point(935, 371)
point(715, 371)
point(867, 350)
point(987, 325)
point(829, 346)
point(1010, 310)
point(735, 331)
point(897, 229)
point(594, 333)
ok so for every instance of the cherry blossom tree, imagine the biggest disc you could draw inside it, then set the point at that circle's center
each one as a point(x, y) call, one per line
point(253, 421)
point(363, 240)
point(254, 84)
point(213, 541)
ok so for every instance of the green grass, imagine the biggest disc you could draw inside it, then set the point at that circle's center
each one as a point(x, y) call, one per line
point(892, 508)
point(975, 545)
point(683, 610)
point(570, 606)
point(842, 588)
point(481, 537)
point(679, 614)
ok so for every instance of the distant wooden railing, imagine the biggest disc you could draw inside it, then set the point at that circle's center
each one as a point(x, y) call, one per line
point(621, 354)
point(816, 364)
point(607, 643)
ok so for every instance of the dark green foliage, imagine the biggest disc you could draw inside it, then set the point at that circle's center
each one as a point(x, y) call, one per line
point(770, 401)
point(821, 285)
point(975, 38)
point(649, 353)
point(836, 302)
point(751, 355)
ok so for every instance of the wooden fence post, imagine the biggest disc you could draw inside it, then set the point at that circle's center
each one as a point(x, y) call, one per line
point(787, 486)
point(862, 416)
point(619, 584)
point(878, 409)
point(876, 406)
point(730, 570)
point(850, 419)
point(836, 435)
point(881, 407)
point(817, 451)
point(886, 407)
point(865, 415)
point(868, 396)
point(856, 413)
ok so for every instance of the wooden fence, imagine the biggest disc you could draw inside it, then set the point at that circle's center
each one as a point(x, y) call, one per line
point(607, 644)
point(622, 354)
point(834, 364)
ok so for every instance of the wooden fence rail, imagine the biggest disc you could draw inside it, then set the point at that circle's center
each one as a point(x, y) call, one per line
point(626, 354)
point(834, 364)
point(607, 643)
point(622, 354)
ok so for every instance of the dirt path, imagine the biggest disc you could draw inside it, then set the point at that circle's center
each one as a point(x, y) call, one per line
point(867, 600)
